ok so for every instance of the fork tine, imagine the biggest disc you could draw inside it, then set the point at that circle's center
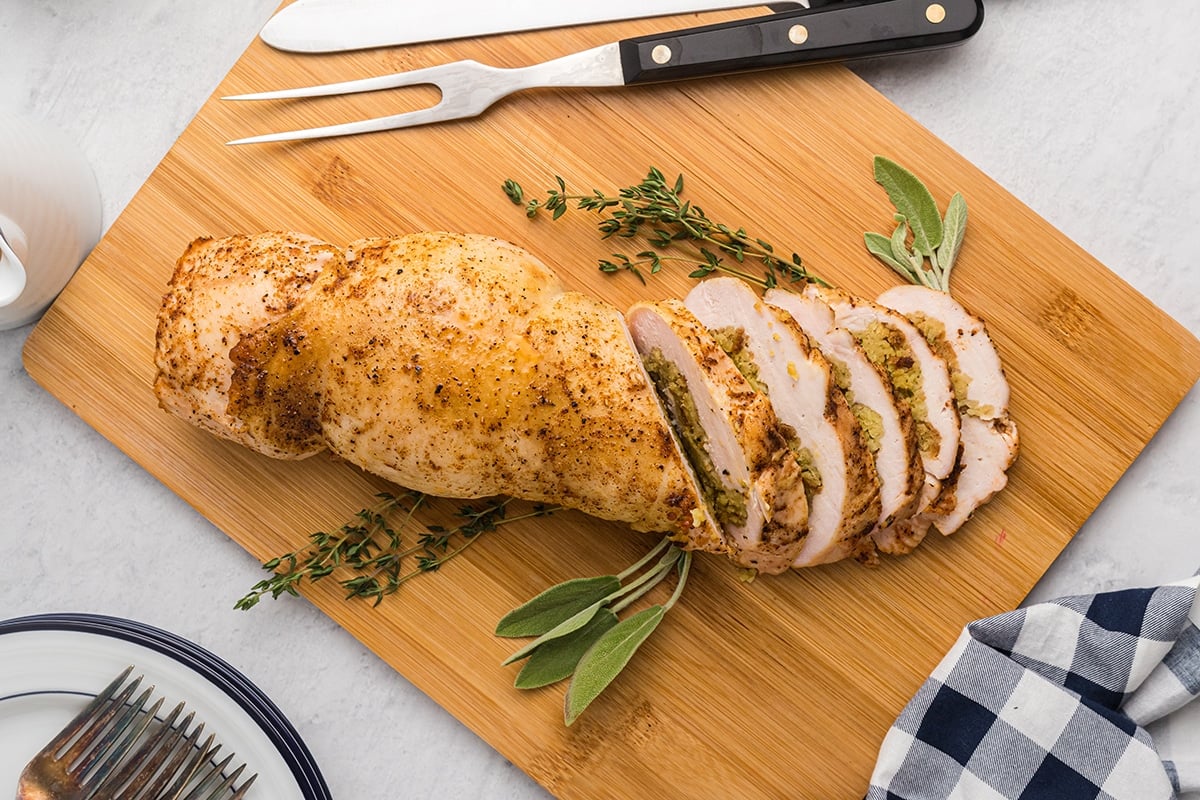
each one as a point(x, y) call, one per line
point(438, 112)
point(180, 767)
point(183, 749)
point(396, 80)
point(205, 789)
point(118, 744)
point(110, 738)
point(140, 767)
point(245, 787)
point(408, 119)
point(85, 720)
point(455, 81)
point(188, 770)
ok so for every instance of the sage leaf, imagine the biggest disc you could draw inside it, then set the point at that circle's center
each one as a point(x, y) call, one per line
point(606, 658)
point(555, 605)
point(556, 659)
point(880, 246)
point(954, 228)
point(899, 243)
point(569, 625)
point(913, 200)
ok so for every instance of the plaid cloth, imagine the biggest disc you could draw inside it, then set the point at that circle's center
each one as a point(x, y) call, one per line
point(1074, 699)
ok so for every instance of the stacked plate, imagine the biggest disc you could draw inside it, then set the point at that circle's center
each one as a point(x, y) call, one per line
point(51, 665)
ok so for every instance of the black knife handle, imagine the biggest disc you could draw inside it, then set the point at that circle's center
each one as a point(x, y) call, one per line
point(832, 32)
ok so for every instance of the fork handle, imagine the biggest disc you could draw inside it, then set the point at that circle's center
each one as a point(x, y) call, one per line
point(830, 32)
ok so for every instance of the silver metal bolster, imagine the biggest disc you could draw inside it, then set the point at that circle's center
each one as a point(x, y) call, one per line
point(599, 66)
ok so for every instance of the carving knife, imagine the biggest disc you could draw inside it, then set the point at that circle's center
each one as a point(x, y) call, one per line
point(324, 26)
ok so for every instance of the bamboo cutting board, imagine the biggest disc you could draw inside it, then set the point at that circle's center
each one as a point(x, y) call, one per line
point(780, 687)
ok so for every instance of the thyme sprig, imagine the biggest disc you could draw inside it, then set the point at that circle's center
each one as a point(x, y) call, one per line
point(375, 548)
point(656, 211)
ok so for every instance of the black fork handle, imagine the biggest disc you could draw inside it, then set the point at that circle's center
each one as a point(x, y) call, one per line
point(830, 32)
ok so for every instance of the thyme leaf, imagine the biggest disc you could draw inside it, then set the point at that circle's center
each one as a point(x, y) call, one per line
point(382, 548)
point(655, 211)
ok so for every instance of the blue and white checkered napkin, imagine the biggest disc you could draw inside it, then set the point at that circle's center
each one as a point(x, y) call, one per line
point(1081, 697)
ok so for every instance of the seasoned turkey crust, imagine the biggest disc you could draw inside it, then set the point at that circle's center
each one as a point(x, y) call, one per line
point(221, 289)
point(454, 365)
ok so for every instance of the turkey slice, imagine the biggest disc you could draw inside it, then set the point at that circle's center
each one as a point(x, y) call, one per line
point(888, 424)
point(844, 499)
point(921, 379)
point(989, 441)
point(730, 432)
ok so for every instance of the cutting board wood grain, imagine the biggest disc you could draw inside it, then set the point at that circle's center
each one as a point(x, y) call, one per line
point(780, 687)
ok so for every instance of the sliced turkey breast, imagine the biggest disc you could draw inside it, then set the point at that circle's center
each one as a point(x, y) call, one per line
point(989, 447)
point(989, 440)
point(843, 485)
point(886, 422)
point(731, 434)
point(222, 288)
point(919, 376)
point(450, 364)
point(921, 380)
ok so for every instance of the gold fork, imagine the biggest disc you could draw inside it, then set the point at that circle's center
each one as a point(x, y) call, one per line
point(112, 750)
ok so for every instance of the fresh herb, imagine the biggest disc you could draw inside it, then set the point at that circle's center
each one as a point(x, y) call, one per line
point(514, 191)
point(921, 233)
point(607, 657)
point(579, 632)
point(373, 547)
point(655, 210)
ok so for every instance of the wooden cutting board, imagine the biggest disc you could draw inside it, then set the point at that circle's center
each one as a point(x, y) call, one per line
point(780, 687)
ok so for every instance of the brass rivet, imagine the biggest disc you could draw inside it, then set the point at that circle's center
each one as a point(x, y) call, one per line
point(797, 34)
point(935, 13)
point(661, 54)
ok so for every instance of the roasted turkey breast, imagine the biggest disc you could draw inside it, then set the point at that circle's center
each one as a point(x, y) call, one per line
point(221, 290)
point(450, 364)
point(785, 430)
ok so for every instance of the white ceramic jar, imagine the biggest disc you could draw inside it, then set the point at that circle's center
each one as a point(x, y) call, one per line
point(50, 215)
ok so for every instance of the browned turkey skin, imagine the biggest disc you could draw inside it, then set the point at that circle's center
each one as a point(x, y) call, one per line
point(453, 365)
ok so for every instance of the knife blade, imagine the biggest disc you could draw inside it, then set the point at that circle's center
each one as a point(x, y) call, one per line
point(324, 26)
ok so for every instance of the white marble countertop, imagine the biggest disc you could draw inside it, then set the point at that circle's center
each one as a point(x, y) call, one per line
point(1087, 110)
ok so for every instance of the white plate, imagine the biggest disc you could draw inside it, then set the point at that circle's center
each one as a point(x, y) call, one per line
point(51, 666)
